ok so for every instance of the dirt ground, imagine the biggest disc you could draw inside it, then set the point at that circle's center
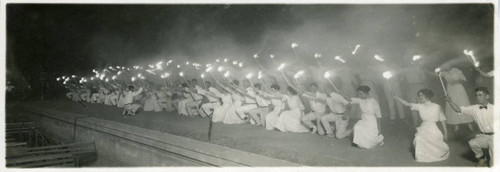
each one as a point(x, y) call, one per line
point(302, 148)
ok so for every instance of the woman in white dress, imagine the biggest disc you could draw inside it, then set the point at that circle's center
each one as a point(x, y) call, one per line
point(429, 141)
point(458, 94)
point(150, 101)
point(367, 133)
point(231, 117)
point(227, 101)
point(272, 117)
point(290, 120)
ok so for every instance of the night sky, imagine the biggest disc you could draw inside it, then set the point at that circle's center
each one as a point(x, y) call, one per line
point(74, 39)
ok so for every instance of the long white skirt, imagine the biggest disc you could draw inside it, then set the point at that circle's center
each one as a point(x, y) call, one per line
point(231, 117)
point(272, 118)
point(289, 121)
point(220, 112)
point(429, 144)
point(366, 132)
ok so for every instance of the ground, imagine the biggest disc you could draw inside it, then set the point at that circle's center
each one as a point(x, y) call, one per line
point(302, 148)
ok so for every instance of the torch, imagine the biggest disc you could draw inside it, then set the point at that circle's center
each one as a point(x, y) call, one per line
point(297, 76)
point(203, 79)
point(255, 57)
point(438, 72)
point(316, 56)
point(356, 49)
point(387, 75)
point(249, 77)
point(327, 76)
point(294, 45)
point(280, 68)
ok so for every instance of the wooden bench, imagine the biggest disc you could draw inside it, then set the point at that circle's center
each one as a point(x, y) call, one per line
point(74, 154)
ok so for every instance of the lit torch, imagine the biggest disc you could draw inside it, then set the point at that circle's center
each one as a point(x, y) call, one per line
point(327, 76)
point(438, 72)
point(387, 75)
point(356, 49)
point(295, 45)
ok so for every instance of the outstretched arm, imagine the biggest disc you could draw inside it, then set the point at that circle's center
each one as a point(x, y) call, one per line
point(404, 102)
point(453, 105)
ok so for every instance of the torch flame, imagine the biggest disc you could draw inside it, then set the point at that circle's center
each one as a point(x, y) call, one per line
point(178, 66)
point(202, 75)
point(298, 74)
point(437, 70)
point(356, 49)
point(241, 64)
point(249, 75)
point(217, 60)
point(225, 60)
point(416, 57)
point(317, 55)
point(271, 56)
point(294, 45)
point(113, 78)
point(209, 69)
point(379, 58)
point(235, 62)
point(226, 74)
point(220, 69)
point(387, 74)
point(282, 65)
point(133, 79)
point(327, 74)
point(259, 75)
point(255, 56)
point(339, 59)
point(181, 74)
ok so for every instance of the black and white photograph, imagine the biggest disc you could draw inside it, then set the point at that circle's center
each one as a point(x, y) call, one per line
point(91, 85)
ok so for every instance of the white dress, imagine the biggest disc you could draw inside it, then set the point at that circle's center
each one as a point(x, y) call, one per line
point(366, 134)
point(428, 142)
point(458, 95)
point(220, 111)
point(289, 121)
point(150, 101)
point(272, 117)
point(231, 117)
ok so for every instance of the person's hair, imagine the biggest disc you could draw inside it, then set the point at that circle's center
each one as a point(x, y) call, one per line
point(194, 80)
point(184, 85)
point(236, 82)
point(427, 93)
point(131, 87)
point(314, 84)
point(257, 85)
point(208, 82)
point(364, 89)
point(275, 86)
point(483, 89)
point(291, 90)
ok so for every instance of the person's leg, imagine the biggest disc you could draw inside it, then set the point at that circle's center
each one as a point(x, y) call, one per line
point(326, 123)
point(263, 115)
point(477, 145)
point(318, 115)
point(254, 114)
point(307, 119)
point(241, 111)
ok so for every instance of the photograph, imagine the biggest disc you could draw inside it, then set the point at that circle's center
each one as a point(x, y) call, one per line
point(234, 84)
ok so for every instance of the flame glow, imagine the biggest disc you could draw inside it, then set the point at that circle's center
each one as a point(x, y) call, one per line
point(327, 75)
point(379, 58)
point(387, 75)
point(282, 65)
point(416, 57)
point(249, 75)
point(294, 45)
point(356, 49)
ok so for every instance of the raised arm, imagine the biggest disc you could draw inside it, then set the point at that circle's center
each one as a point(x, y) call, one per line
point(453, 105)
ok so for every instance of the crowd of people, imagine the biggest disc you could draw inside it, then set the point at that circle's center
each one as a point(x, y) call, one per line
point(315, 109)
